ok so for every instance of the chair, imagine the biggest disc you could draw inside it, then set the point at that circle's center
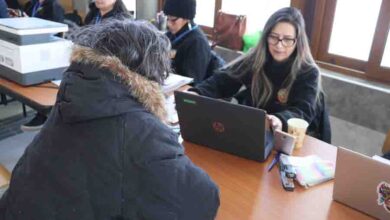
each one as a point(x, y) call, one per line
point(325, 131)
point(227, 54)
point(386, 144)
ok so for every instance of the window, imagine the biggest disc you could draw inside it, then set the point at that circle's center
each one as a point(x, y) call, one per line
point(256, 14)
point(130, 4)
point(352, 33)
point(205, 12)
point(386, 56)
point(353, 38)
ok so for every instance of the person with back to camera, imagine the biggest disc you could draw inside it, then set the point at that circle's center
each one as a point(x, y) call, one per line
point(100, 10)
point(191, 53)
point(279, 75)
point(105, 151)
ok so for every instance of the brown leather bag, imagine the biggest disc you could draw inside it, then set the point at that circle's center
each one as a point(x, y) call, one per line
point(228, 30)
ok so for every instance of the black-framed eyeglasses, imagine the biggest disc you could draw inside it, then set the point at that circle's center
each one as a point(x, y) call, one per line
point(286, 42)
point(172, 19)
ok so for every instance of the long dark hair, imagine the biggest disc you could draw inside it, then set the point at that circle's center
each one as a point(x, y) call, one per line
point(138, 44)
point(119, 6)
point(254, 61)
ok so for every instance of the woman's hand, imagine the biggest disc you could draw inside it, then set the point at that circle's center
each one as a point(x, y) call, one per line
point(275, 122)
point(16, 13)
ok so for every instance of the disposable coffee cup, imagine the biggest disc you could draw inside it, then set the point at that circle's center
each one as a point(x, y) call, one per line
point(297, 127)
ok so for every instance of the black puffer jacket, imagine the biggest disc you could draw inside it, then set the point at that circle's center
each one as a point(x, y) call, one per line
point(49, 10)
point(93, 14)
point(193, 53)
point(302, 102)
point(106, 154)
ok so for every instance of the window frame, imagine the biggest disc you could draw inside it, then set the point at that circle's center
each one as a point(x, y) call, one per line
point(369, 70)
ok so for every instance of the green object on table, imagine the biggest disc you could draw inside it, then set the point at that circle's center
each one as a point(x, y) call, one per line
point(251, 40)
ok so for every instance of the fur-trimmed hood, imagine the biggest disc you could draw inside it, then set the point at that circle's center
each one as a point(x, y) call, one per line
point(102, 85)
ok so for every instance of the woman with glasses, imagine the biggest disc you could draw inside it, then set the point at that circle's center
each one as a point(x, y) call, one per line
point(279, 76)
point(191, 53)
point(100, 10)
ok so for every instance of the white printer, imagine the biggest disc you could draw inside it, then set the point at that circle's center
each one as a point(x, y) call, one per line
point(29, 51)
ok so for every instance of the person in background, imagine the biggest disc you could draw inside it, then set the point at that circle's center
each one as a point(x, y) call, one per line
point(103, 9)
point(191, 52)
point(105, 151)
point(13, 4)
point(15, 9)
point(3, 9)
point(279, 76)
point(48, 10)
point(45, 9)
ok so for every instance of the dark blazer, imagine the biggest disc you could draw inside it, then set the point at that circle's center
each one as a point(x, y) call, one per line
point(49, 10)
point(103, 154)
point(301, 103)
point(193, 53)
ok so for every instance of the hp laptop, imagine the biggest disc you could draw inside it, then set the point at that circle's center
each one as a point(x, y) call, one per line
point(362, 183)
point(224, 126)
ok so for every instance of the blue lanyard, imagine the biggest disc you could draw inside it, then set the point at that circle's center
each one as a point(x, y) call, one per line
point(35, 9)
point(181, 36)
point(98, 19)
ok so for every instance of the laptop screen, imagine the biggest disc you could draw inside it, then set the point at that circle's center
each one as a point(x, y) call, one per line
point(224, 126)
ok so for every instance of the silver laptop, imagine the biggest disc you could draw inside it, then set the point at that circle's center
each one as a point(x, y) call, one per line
point(362, 183)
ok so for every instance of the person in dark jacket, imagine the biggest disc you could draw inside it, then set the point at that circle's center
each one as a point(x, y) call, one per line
point(48, 10)
point(13, 4)
point(103, 9)
point(191, 53)
point(45, 9)
point(105, 151)
point(3, 9)
point(279, 75)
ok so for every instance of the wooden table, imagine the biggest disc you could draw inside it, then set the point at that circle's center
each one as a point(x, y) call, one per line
point(248, 191)
point(40, 97)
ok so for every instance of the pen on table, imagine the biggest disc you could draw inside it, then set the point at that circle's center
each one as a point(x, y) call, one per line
point(274, 161)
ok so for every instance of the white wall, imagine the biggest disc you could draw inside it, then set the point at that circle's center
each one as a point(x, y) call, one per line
point(146, 9)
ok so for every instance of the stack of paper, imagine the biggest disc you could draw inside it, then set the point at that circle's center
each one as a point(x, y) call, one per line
point(170, 107)
point(174, 82)
point(311, 170)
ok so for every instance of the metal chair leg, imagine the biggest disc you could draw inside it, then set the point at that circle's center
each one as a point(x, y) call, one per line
point(24, 110)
